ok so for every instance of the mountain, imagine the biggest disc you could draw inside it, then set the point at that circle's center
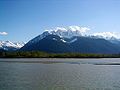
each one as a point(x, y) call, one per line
point(67, 32)
point(73, 39)
point(112, 37)
point(51, 43)
point(72, 31)
point(2, 50)
point(10, 46)
point(56, 43)
point(95, 45)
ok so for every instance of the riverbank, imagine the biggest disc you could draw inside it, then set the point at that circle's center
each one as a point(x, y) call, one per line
point(37, 54)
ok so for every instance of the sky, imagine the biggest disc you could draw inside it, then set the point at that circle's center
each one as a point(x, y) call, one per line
point(22, 20)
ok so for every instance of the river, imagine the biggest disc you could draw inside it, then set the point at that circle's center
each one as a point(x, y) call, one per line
point(60, 74)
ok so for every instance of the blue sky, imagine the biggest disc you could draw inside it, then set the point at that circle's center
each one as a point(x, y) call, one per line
point(25, 19)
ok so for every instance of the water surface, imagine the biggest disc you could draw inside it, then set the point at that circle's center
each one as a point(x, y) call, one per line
point(60, 74)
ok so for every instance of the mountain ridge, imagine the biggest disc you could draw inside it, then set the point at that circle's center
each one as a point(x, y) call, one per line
point(11, 46)
point(72, 39)
point(77, 44)
point(73, 31)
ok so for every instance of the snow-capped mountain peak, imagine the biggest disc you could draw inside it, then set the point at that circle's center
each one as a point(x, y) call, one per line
point(67, 32)
point(107, 35)
point(72, 31)
point(10, 45)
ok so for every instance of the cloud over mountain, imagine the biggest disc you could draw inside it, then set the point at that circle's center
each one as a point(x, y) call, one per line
point(107, 35)
point(69, 31)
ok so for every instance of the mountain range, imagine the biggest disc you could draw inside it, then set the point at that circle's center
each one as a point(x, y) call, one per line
point(67, 40)
point(72, 40)
point(10, 46)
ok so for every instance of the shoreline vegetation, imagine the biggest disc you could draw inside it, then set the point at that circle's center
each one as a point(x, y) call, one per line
point(38, 54)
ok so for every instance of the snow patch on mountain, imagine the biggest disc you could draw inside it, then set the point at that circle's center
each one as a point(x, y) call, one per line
point(75, 39)
point(63, 40)
point(55, 39)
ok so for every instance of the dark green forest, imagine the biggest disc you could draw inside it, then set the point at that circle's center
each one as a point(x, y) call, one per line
point(38, 54)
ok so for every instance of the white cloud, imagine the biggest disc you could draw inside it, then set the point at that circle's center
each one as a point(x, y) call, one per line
point(78, 28)
point(3, 33)
point(69, 31)
point(71, 28)
point(61, 28)
point(107, 35)
point(81, 31)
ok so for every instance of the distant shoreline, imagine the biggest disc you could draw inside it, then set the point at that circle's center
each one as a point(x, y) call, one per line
point(76, 61)
point(38, 54)
point(61, 57)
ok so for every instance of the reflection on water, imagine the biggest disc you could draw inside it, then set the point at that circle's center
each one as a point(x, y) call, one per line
point(59, 74)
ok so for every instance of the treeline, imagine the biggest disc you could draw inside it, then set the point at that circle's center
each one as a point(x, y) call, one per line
point(38, 54)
